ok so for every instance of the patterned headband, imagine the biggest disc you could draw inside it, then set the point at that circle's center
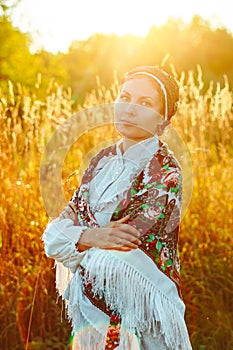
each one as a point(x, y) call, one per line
point(162, 87)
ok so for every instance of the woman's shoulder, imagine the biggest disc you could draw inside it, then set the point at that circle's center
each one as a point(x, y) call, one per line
point(102, 155)
point(104, 152)
point(166, 157)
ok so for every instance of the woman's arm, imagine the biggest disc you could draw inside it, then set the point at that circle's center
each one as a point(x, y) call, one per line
point(117, 235)
point(60, 238)
point(65, 242)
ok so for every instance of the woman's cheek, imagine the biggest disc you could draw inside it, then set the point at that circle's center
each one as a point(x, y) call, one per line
point(119, 110)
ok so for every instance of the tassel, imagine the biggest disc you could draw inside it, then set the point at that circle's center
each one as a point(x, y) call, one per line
point(141, 304)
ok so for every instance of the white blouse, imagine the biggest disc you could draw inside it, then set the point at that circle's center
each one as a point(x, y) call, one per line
point(115, 176)
point(107, 189)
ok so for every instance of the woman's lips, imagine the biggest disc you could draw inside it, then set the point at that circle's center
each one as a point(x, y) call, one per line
point(126, 122)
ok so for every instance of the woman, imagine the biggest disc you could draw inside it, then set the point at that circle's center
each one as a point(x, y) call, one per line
point(118, 235)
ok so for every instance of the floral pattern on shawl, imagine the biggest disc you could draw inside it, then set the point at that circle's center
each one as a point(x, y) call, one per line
point(154, 207)
point(153, 203)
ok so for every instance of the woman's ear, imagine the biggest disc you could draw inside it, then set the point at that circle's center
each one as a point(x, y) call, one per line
point(160, 127)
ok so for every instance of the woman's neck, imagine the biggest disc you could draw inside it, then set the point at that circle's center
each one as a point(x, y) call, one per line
point(126, 143)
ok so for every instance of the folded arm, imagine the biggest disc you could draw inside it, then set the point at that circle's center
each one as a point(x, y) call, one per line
point(60, 240)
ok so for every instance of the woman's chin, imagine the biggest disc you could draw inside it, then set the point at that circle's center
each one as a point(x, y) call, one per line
point(133, 134)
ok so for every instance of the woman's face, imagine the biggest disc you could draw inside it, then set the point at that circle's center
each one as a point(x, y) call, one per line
point(137, 109)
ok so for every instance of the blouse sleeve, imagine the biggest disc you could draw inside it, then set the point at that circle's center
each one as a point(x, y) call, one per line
point(60, 238)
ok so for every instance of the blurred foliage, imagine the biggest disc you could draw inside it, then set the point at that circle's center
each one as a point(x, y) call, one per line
point(38, 93)
point(100, 55)
point(30, 314)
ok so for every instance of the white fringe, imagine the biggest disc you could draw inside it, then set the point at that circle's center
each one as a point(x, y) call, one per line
point(86, 336)
point(143, 307)
point(63, 277)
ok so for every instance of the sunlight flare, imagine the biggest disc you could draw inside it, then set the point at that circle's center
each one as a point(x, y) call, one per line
point(54, 24)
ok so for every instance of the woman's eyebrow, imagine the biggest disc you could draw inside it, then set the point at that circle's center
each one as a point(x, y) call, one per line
point(149, 97)
point(125, 92)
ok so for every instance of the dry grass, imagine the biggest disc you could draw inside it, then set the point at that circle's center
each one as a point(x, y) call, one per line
point(29, 316)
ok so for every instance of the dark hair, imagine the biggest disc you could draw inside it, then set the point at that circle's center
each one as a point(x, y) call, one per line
point(168, 81)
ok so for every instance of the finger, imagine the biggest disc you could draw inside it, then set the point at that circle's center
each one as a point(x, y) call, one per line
point(127, 241)
point(125, 249)
point(69, 213)
point(117, 222)
point(121, 249)
point(118, 236)
point(72, 206)
point(133, 244)
point(63, 216)
point(63, 213)
point(129, 229)
point(122, 220)
point(68, 209)
point(128, 246)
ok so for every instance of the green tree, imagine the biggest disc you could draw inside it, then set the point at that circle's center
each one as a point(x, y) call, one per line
point(15, 58)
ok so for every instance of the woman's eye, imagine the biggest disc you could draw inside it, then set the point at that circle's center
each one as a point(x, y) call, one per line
point(124, 98)
point(146, 104)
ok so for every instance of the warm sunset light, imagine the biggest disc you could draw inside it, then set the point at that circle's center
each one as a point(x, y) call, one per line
point(55, 24)
point(61, 69)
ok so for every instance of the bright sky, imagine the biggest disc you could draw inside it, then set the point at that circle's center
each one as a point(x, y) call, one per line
point(54, 24)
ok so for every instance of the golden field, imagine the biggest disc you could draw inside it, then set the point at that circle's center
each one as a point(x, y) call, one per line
point(30, 314)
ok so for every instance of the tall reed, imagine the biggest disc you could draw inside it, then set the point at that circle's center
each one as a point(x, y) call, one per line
point(29, 313)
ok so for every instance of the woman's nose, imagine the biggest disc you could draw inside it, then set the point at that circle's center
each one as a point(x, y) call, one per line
point(131, 108)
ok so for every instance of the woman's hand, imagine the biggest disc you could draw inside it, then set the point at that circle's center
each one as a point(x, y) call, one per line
point(117, 235)
point(69, 213)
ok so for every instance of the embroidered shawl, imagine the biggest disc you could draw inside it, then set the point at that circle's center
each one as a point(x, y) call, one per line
point(153, 203)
